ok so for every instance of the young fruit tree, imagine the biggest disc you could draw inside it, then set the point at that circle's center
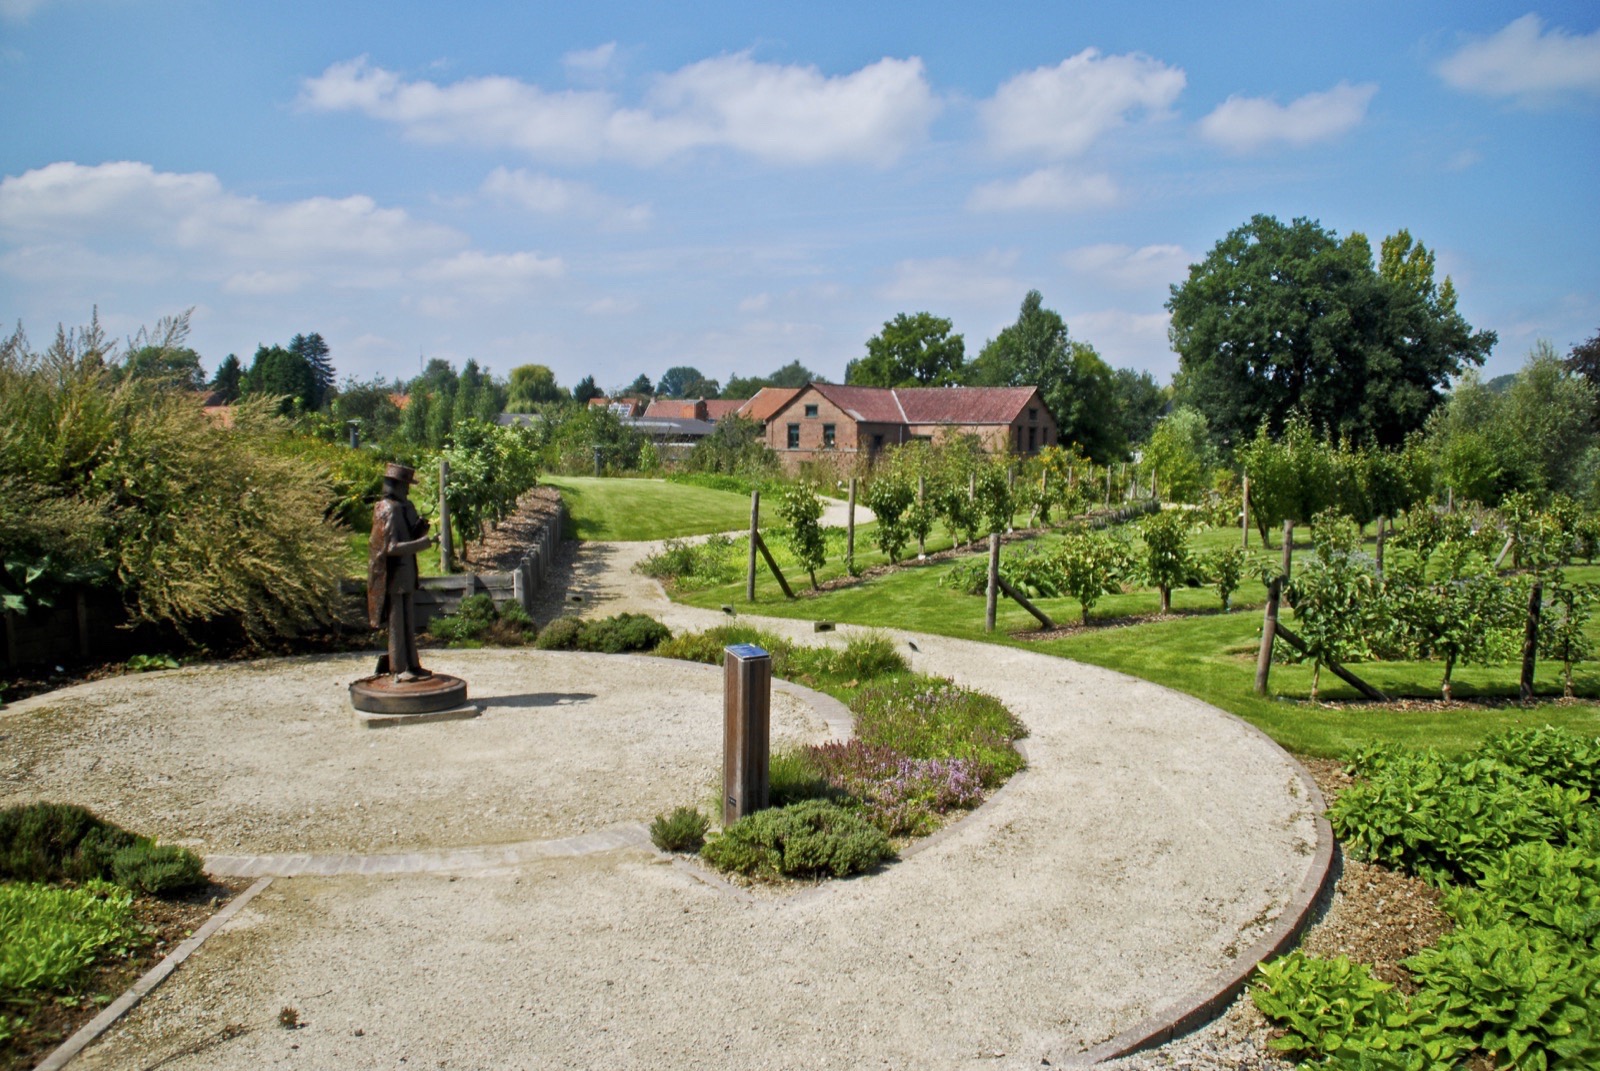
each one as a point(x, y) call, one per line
point(890, 497)
point(1333, 595)
point(1090, 565)
point(1166, 542)
point(801, 511)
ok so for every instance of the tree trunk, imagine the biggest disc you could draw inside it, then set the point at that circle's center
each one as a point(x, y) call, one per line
point(1530, 641)
point(1444, 686)
point(1166, 598)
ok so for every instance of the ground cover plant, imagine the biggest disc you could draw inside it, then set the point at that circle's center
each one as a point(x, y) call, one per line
point(1511, 832)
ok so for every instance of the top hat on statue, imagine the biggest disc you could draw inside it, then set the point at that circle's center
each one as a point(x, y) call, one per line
point(393, 471)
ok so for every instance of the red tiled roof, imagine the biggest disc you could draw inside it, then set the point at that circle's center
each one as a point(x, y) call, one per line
point(673, 408)
point(717, 408)
point(768, 400)
point(929, 405)
point(963, 405)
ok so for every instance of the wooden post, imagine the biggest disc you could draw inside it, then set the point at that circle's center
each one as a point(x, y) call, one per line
point(1383, 524)
point(519, 587)
point(1449, 499)
point(850, 531)
point(1530, 640)
point(1244, 517)
point(446, 545)
point(755, 537)
point(1504, 550)
point(922, 494)
point(746, 730)
point(994, 582)
point(1367, 690)
point(1288, 547)
point(1108, 485)
point(1152, 481)
point(1269, 633)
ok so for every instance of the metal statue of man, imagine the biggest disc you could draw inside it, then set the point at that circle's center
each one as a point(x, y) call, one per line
point(399, 532)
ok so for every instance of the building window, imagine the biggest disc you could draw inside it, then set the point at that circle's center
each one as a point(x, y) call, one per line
point(1033, 414)
point(877, 443)
point(794, 436)
point(811, 410)
point(1033, 442)
point(827, 436)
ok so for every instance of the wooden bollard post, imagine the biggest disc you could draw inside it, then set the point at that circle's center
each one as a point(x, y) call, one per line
point(994, 582)
point(755, 536)
point(850, 531)
point(446, 546)
point(1244, 517)
point(1269, 632)
point(746, 730)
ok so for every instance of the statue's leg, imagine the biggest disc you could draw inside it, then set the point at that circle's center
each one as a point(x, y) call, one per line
point(412, 660)
point(399, 633)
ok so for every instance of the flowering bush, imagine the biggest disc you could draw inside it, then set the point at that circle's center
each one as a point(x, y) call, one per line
point(900, 795)
point(931, 718)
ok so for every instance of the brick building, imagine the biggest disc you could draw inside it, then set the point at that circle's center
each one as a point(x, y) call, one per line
point(824, 419)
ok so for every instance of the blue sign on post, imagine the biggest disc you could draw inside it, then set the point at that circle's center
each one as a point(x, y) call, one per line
point(746, 730)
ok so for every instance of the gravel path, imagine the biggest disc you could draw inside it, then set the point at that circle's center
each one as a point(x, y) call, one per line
point(1151, 841)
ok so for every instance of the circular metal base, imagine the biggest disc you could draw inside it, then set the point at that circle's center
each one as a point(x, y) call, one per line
point(381, 695)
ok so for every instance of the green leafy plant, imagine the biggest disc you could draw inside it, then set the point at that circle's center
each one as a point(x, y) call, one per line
point(1166, 542)
point(691, 566)
point(810, 839)
point(683, 830)
point(1225, 570)
point(801, 511)
point(157, 869)
point(478, 621)
point(44, 842)
point(931, 718)
point(52, 936)
point(147, 663)
point(1091, 564)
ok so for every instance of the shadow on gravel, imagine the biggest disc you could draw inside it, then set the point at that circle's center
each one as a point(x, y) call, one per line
point(536, 699)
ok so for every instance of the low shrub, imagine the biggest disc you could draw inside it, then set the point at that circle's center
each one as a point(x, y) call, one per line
point(52, 936)
point(708, 646)
point(691, 566)
point(863, 658)
point(478, 621)
point(805, 840)
point(1556, 755)
point(793, 776)
point(931, 718)
point(48, 842)
point(157, 869)
point(618, 634)
point(684, 830)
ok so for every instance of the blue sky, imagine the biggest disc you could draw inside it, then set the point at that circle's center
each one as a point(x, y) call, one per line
point(611, 189)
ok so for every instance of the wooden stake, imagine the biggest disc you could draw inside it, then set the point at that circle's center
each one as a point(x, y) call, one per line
point(1339, 670)
point(1383, 524)
point(1022, 600)
point(1530, 640)
point(922, 494)
point(755, 538)
point(994, 582)
point(761, 545)
point(850, 531)
point(1269, 633)
point(1288, 547)
point(446, 545)
point(1244, 517)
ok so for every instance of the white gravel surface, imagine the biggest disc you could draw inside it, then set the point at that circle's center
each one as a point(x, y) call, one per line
point(1152, 840)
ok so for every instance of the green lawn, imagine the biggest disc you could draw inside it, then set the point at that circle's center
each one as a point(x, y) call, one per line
point(634, 510)
point(1205, 653)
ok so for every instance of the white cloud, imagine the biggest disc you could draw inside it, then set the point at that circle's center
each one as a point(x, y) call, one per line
point(491, 275)
point(265, 282)
point(782, 114)
point(1060, 111)
point(591, 61)
point(755, 303)
point(964, 281)
point(1525, 62)
point(1246, 123)
point(192, 211)
point(1122, 266)
point(612, 306)
point(552, 196)
point(1050, 189)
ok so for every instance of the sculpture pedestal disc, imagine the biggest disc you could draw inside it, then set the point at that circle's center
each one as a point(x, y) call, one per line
point(379, 701)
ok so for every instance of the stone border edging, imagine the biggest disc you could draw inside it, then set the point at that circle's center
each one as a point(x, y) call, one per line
point(91, 1031)
point(1212, 997)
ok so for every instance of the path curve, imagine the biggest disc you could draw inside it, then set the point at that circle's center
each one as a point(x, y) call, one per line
point(1154, 842)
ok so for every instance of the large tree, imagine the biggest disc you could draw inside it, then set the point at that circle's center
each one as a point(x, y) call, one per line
point(911, 351)
point(532, 385)
point(229, 380)
point(1281, 317)
point(276, 372)
point(683, 381)
point(315, 352)
point(1076, 384)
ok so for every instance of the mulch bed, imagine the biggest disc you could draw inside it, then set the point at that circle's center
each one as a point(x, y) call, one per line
point(505, 544)
point(168, 922)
